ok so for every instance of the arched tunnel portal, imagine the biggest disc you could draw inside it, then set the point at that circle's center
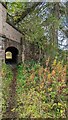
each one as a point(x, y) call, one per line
point(11, 55)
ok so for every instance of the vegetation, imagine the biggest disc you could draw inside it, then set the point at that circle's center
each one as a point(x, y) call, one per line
point(41, 85)
point(6, 80)
point(42, 91)
point(44, 25)
point(41, 24)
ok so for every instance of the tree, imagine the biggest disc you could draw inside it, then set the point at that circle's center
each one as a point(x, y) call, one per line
point(40, 24)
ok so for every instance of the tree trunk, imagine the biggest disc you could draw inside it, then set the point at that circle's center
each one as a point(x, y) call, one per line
point(55, 27)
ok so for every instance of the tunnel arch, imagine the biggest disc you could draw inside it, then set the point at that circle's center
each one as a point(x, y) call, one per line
point(11, 55)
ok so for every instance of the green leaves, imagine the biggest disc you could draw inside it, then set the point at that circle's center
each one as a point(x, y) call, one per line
point(41, 25)
point(43, 91)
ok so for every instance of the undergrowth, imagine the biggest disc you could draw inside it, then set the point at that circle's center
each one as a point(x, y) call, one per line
point(42, 91)
point(6, 80)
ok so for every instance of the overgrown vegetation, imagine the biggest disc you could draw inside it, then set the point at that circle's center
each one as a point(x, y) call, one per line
point(6, 80)
point(41, 86)
point(42, 91)
point(44, 26)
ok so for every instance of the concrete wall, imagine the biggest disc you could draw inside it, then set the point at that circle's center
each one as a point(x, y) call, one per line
point(11, 33)
point(5, 28)
point(12, 36)
point(1, 20)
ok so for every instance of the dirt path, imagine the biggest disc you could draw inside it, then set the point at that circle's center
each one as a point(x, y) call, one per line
point(11, 102)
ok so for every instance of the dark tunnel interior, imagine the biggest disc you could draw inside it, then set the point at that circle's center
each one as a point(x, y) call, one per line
point(14, 53)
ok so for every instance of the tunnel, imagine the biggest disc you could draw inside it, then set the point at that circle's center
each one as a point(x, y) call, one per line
point(11, 55)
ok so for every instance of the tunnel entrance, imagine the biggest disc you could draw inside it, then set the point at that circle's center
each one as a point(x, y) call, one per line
point(11, 55)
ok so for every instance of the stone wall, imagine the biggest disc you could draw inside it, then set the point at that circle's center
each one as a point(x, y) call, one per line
point(2, 50)
point(9, 36)
point(2, 59)
point(11, 43)
point(12, 37)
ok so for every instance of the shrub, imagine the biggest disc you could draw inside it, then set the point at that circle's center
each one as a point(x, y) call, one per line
point(42, 91)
